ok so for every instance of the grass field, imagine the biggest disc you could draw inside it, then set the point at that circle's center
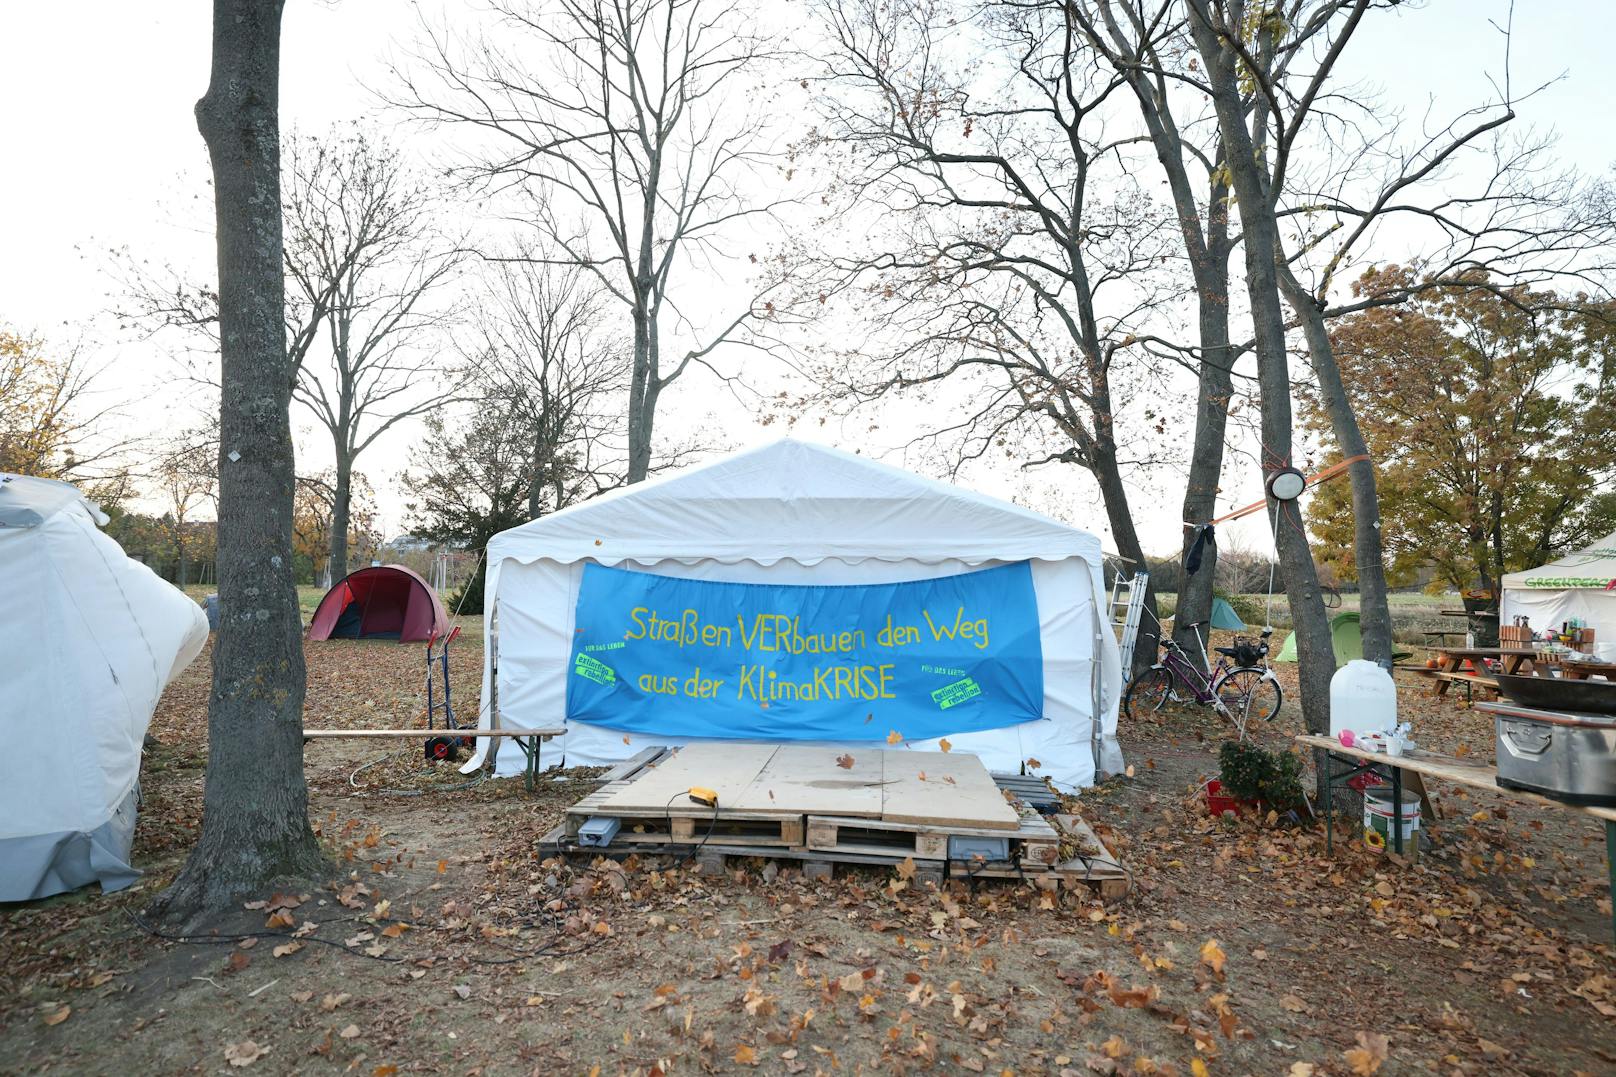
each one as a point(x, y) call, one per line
point(1413, 613)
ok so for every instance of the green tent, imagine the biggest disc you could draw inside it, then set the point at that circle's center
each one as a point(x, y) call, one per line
point(1344, 636)
point(1224, 616)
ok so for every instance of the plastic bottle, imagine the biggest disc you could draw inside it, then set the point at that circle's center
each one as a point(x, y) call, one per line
point(1363, 698)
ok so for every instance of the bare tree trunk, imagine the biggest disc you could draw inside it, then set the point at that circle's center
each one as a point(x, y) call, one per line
point(641, 401)
point(1315, 651)
point(1201, 491)
point(1375, 617)
point(341, 507)
point(1114, 494)
point(255, 826)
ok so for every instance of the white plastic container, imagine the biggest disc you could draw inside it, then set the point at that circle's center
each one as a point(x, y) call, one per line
point(1363, 698)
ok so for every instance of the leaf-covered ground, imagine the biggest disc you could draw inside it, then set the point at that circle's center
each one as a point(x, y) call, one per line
point(445, 945)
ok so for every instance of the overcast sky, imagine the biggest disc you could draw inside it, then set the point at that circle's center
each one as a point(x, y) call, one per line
point(101, 152)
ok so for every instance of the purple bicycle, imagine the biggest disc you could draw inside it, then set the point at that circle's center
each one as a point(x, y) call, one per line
point(1241, 687)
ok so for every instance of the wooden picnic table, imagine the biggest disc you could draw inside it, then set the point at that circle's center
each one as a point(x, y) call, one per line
point(1448, 674)
point(1470, 772)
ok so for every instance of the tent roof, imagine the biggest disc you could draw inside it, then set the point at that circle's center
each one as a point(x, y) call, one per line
point(1592, 567)
point(26, 501)
point(799, 501)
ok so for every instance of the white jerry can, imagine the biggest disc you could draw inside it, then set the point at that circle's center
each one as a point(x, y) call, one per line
point(1363, 698)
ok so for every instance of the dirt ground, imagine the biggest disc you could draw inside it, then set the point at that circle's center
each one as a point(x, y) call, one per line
point(441, 943)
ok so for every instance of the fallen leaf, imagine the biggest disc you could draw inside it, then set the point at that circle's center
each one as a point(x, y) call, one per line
point(331, 1002)
point(1197, 1067)
point(1212, 956)
point(846, 763)
point(944, 745)
point(236, 962)
point(56, 1017)
point(1301, 1069)
point(745, 1055)
point(287, 949)
point(463, 990)
point(244, 1053)
point(894, 737)
point(278, 919)
point(1293, 1004)
point(351, 1032)
point(1033, 764)
point(1366, 1058)
point(384, 1071)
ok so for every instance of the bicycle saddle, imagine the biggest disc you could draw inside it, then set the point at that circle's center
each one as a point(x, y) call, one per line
point(1230, 651)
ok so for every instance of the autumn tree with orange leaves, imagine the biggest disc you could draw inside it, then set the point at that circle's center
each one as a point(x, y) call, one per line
point(1487, 410)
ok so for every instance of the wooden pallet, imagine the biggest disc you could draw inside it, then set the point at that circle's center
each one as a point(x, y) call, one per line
point(1034, 842)
point(714, 857)
point(684, 822)
point(1093, 865)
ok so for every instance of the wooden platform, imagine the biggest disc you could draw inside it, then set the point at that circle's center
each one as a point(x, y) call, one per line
point(937, 788)
point(822, 808)
point(1033, 842)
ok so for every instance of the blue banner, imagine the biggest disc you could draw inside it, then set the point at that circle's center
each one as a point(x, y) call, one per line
point(698, 658)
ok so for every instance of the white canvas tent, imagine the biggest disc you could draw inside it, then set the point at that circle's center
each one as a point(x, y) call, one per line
point(794, 512)
point(92, 638)
point(1574, 586)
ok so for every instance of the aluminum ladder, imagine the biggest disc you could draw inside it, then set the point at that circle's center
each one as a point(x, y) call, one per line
point(1127, 608)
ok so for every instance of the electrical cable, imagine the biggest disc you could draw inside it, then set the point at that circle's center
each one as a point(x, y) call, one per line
point(667, 812)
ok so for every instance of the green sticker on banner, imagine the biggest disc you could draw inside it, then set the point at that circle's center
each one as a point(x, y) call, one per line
point(950, 695)
point(594, 670)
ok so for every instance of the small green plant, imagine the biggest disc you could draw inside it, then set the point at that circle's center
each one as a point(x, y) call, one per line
point(1248, 772)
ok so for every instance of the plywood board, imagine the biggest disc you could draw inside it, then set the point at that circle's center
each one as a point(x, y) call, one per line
point(943, 789)
point(726, 768)
point(811, 781)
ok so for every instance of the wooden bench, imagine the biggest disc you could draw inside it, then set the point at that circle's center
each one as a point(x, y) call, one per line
point(529, 740)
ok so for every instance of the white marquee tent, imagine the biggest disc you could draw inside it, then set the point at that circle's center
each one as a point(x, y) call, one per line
point(92, 638)
point(794, 512)
point(1574, 586)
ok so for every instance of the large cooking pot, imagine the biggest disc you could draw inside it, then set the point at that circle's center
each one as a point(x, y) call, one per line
point(1560, 694)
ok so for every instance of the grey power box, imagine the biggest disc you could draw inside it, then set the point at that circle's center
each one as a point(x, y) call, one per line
point(598, 831)
point(965, 848)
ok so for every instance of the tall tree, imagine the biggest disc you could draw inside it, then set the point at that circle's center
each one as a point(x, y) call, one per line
point(1143, 46)
point(628, 130)
point(1231, 38)
point(255, 824)
point(1489, 414)
point(364, 248)
point(540, 344)
point(1016, 254)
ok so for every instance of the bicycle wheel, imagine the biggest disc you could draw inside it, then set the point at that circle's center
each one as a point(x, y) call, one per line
point(1249, 695)
point(1148, 693)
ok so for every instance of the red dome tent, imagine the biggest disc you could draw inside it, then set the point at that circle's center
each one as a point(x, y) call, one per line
point(380, 602)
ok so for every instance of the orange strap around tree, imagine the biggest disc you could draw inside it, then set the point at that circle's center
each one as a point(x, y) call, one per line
point(1322, 475)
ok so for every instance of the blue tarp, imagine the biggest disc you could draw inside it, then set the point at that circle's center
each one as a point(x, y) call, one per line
point(699, 658)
